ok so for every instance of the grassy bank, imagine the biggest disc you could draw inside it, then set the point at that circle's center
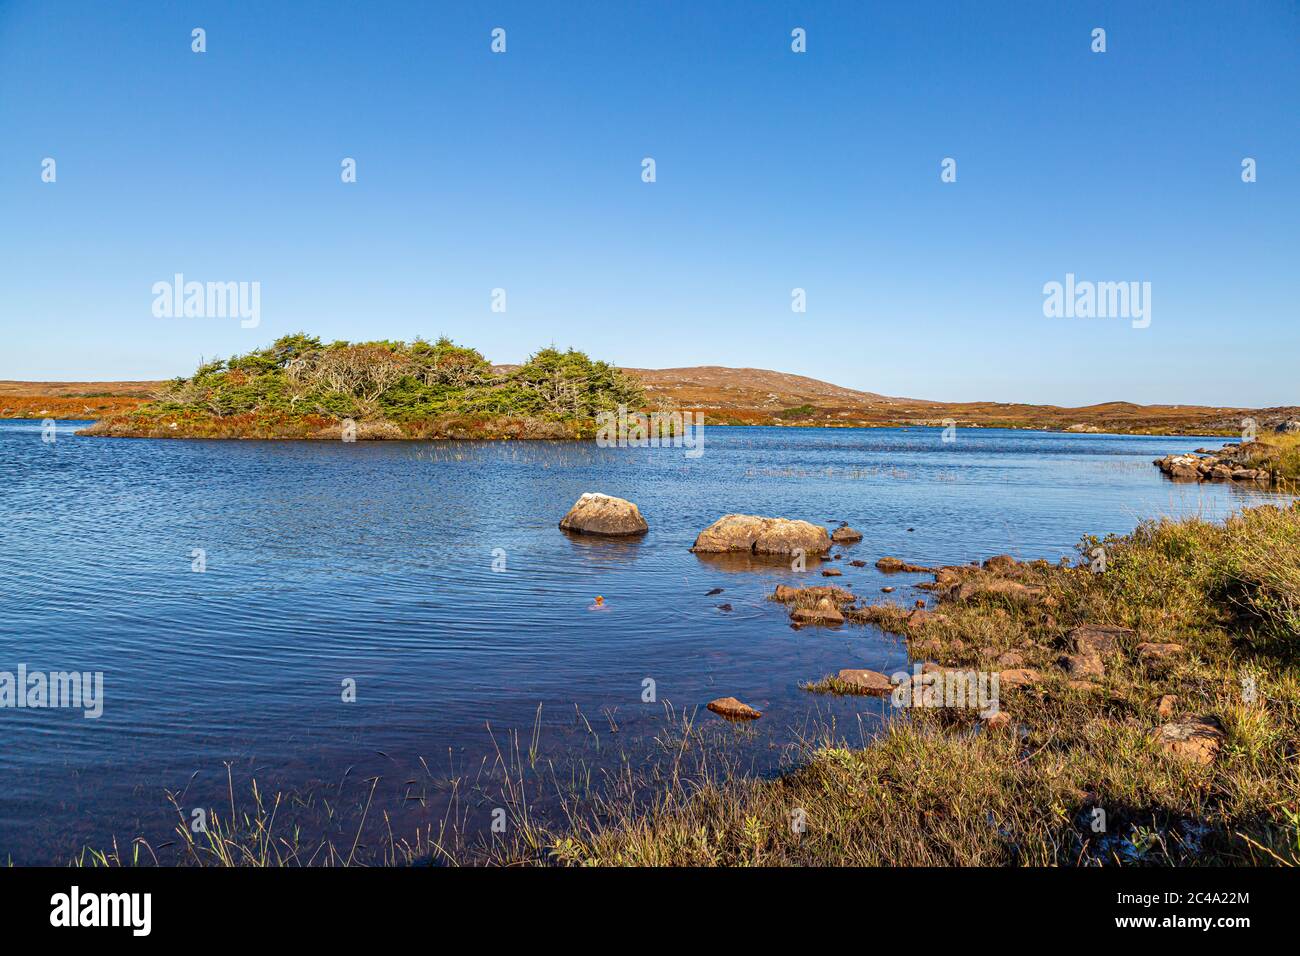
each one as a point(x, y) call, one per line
point(299, 387)
point(1277, 453)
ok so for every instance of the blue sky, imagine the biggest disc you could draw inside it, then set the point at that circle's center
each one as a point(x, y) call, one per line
point(775, 170)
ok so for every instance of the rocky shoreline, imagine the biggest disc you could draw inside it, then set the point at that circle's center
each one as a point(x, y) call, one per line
point(1246, 461)
point(1078, 658)
point(1227, 464)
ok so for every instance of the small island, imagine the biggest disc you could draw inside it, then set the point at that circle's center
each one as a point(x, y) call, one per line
point(301, 388)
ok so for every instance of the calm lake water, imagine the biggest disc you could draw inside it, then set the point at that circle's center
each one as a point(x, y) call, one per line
point(373, 562)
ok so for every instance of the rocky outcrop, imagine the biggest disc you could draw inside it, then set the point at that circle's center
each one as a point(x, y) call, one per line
point(1227, 464)
point(759, 535)
point(732, 709)
point(814, 605)
point(604, 515)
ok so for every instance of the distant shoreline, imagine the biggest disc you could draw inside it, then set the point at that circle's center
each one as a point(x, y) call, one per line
point(726, 397)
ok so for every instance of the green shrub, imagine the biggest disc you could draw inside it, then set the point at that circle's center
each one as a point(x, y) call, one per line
point(299, 375)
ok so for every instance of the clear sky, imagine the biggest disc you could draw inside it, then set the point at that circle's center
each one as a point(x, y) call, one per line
point(775, 170)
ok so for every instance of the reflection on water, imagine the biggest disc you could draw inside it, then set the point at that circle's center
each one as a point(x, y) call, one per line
point(374, 563)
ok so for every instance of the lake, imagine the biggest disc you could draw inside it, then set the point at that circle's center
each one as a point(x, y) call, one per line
point(432, 577)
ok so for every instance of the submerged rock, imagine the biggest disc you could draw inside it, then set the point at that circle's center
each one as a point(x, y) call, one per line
point(732, 709)
point(595, 513)
point(895, 565)
point(760, 535)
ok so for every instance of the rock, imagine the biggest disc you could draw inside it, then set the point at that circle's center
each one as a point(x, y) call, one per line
point(857, 564)
point(1289, 427)
point(1010, 659)
point(1000, 720)
point(1000, 562)
point(811, 595)
point(725, 607)
point(931, 647)
point(1179, 466)
point(824, 613)
point(713, 592)
point(732, 709)
point(1165, 706)
point(895, 565)
point(604, 515)
point(997, 587)
point(865, 681)
point(1150, 653)
point(1102, 642)
point(1221, 473)
point(1018, 677)
point(1083, 665)
point(920, 617)
point(832, 573)
point(845, 535)
point(887, 590)
point(762, 536)
point(1196, 740)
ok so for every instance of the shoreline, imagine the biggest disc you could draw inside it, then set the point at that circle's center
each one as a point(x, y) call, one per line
point(488, 428)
